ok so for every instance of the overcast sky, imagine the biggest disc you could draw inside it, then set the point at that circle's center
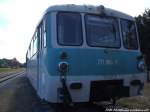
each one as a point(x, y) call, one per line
point(18, 19)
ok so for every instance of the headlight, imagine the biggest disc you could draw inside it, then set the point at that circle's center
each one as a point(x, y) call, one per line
point(141, 66)
point(63, 67)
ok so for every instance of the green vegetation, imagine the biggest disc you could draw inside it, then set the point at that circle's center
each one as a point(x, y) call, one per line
point(143, 23)
point(141, 102)
point(10, 63)
point(138, 102)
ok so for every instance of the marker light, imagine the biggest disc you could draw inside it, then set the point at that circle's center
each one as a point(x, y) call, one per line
point(141, 66)
point(63, 67)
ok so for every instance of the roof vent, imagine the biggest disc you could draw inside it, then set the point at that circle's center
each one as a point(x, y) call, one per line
point(101, 9)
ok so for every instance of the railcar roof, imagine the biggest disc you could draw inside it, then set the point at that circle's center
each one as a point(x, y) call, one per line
point(89, 9)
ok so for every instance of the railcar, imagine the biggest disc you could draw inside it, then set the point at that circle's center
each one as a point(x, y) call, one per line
point(82, 53)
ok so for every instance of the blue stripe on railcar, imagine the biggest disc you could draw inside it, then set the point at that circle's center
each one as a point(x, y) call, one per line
point(93, 61)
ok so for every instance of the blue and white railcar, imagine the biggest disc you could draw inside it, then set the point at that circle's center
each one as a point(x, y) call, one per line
point(85, 54)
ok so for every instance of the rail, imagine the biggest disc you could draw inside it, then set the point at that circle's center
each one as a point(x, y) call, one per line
point(9, 76)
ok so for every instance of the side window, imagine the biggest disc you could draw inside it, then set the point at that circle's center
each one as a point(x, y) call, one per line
point(35, 43)
point(29, 51)
point(27, 56)
point(32, 47)
point(69, 27)
point(41, 36)
point(129, 34)
point(44, 33)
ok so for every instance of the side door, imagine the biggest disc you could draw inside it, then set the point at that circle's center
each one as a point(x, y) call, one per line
point(40, 52)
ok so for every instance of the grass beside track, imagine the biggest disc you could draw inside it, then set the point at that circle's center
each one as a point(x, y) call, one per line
point(138, 102)
point(7, 70)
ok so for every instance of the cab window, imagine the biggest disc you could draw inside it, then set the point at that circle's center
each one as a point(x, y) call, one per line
point(69, 29)
point(129, 34)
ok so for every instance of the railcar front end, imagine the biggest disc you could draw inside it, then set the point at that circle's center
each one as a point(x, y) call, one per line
point(91, 54)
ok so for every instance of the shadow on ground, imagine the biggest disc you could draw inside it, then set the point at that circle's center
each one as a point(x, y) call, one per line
point(19, 96)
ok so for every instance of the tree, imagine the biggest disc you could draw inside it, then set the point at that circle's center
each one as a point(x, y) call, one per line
point(10, 63)
point(15, 63)
point(143, 23)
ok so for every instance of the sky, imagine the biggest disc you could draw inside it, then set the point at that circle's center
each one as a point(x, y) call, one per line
point(18, 19)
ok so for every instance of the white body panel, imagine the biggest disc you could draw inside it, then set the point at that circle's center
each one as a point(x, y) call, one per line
point(50, 84)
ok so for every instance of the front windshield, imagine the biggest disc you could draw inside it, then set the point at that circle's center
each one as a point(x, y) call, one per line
point(102, 31)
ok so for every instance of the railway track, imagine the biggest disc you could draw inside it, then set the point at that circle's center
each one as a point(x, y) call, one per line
point(46, 107)
point(9, 76)
point(4, 74)
point(96, 107)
